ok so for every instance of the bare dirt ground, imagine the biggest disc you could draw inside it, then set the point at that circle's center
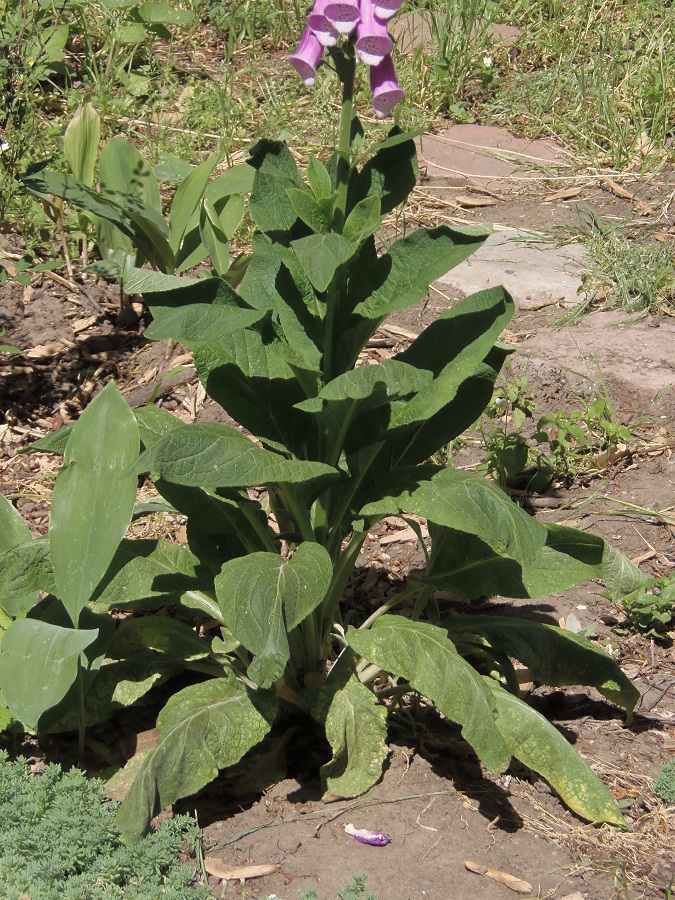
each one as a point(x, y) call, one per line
point(439, 807)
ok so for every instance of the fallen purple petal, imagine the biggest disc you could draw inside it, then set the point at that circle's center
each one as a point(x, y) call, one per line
point(385, 87)
point(363, 836)
point(372, 38)
point(306, 57)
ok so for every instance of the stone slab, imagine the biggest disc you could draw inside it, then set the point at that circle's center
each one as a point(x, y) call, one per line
point(486, 156)
point(536, 273)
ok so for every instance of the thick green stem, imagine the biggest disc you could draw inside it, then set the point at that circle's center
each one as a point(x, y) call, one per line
point(341, 575)
point(340, 207)
point(299, 511)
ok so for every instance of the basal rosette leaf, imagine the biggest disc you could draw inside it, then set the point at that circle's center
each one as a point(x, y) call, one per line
point(195, 324)
point(14, 531)
point(553, 655)
point(38, 665)
point(356, 729)
point(93, 497)
point(263, 597)
point(539, 745)
point(425, 657)
point(202, 729)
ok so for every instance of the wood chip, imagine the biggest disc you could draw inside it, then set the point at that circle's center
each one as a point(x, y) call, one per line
point(617, 190)
point(405, 534)
point(475, 202)
point(82, 324)
point(399, 332)
point(218, 868)
point(565, 194)
point(509, 881)
point(47, 351)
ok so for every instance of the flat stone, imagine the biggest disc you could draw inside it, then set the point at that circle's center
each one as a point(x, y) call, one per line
point(413, 29)
point(486, 156)
point(536, 273)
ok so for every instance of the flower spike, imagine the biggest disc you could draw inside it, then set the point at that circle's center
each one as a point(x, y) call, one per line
point(306, 57)
point(385, 87)
point(372, 38)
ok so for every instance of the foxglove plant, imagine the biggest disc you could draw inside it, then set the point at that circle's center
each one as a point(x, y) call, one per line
point(333, 447)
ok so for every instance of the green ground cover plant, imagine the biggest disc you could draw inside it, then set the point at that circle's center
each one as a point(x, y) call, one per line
point(664, 783)
point(59, 840)
point(278, 510)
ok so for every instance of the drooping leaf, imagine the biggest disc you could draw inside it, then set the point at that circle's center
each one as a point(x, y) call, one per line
point(203, 728)
point(356, 729)
point(620, 575)
point(264, 596)
point(93, 497)
point(486, 544)
point(38, 665)
point(217, 456)
point(553, 655)
point(144, 636)
point(539, 745)
point(424, 656)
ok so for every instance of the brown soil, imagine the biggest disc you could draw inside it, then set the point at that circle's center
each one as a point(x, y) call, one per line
point(436, 803)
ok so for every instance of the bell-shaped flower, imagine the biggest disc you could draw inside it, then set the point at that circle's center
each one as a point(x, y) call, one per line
point(306, 57)
point(385, 9)
point(372, 38)
point(343, 14)
point(321, 25)
point(385, 87)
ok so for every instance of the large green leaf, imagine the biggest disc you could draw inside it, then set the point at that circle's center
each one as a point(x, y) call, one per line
point(124, 170)
point(38, 665)
point(356, 729)
point(270, 205)
point(390, 174)
point(320, 255)
point(425, 656)
point(198, 323)
point(25, 569)
point(149, 574)
point(486, 544)
point(309, 210)
point(264, 596)
point(203, 728)
point(144, 636)
point(401, 277)
point(539, 745)
point(93, 497)
point(214, 456)
point(14, 531)
point(553, 655)
point(153, 423)
point(480, 323)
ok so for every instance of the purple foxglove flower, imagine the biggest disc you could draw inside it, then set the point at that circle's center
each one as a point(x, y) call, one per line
point(322, 26)
point(372, 38)
point(306, 57)
point(385, 9)
point(343, 14)
point(363, 836)
point(385, 87)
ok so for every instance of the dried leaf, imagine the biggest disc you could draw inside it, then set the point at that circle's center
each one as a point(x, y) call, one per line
point(474, 202)
point(565, 194)
point(217, 868)
point(47, 351)
point(509, 881)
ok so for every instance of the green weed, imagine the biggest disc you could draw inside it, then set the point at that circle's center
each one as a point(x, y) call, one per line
point(59, 841)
